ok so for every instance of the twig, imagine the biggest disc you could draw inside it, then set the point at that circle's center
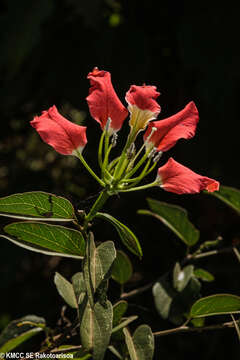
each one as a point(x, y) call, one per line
point(136, 291)
point(187, 329)
point(209, 253)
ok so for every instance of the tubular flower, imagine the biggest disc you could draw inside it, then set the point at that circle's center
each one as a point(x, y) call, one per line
point(142, 105)
point(168, 131)
point(103, 102)
point(64, 136)
point(178, 179)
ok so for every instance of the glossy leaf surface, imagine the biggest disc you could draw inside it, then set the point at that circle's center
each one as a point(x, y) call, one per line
point(229, 196)
point(175, 218)
point(38, 205)
point(218, 304)
point(127, 236)
point(122, 268)
point(47, 239)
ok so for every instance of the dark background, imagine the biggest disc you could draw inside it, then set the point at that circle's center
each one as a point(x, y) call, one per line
point(190, 51)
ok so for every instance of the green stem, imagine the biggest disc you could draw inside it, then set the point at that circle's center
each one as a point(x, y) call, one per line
point(113, 163)
point(79, 155)
point(96, 206)
point(155, 183)
point(105, 161)
point(136, 167)
point(142, 175)
point(100, 148)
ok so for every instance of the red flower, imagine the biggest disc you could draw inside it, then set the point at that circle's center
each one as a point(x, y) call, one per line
point(142, 105)
point(64, 136)
point(178, 179)
point(168, 131)
point(103, 102)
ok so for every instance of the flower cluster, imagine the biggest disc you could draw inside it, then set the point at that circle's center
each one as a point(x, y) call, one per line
point(160, 135)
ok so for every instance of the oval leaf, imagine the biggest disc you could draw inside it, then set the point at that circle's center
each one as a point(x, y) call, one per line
point(79, 286)
point(127, 236)
point(204, 275)
point(181, 277)
point(175, 218)
point(18, 331)
point(47, 239)
point(37, 205)
point(229, 196)
point(122, 268)
point(97, 265)
point(218, 304)
point(119, 310)
point(141, 345)
point(65, 289)
point(96, 328)
point(163, 295)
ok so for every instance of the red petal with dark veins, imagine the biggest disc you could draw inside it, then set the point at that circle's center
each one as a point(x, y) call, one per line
point(63, 135)
point(103, 102)
point(179, 126)
point(179, 179)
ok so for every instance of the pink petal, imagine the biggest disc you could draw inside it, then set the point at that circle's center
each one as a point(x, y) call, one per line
point(144, 98)
point(63, 135)
point(179, 179)
point(103, 102)
point(179, 126)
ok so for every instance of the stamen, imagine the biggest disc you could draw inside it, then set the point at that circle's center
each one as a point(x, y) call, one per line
point(107, 124)
point(114, 139)
point(152, 132)
point(131, 151)
point(152, 153)
point(157, 157)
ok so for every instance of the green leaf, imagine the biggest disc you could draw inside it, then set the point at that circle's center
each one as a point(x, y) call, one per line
point(181, 277)
point(119, 310)
point(96, 328)
point(97, 265)
point(37, 205)
point(175, 218)
point(163, 294)
point(229, 196)
point(122, 268)
point(171, 304)
point(47, 239)
point(141, 345)
point(79, 286)
point(127, 236)
point(204, 275)
point(115, 352)
point(124, 323)
point(19, 331)
point(218, 304)
point(65, 289)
